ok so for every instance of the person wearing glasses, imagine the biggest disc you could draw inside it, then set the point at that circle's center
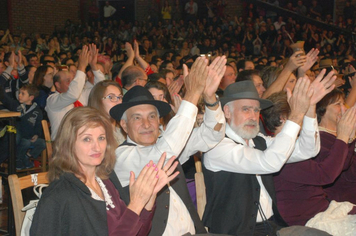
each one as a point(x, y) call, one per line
point(103, 96)
point(82, 198)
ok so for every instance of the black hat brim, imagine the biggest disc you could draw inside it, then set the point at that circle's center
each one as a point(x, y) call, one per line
point(117, 111)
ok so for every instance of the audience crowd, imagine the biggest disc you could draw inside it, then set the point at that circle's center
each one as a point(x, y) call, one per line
point(266, 103)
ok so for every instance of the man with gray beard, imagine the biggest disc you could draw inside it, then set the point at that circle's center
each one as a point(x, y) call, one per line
point(239, 185)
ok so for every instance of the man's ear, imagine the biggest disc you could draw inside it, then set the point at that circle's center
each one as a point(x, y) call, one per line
point(227, 112)
point(123, 125)
point(56, 85)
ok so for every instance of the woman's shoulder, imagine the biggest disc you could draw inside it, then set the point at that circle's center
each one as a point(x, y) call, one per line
point(63, 188)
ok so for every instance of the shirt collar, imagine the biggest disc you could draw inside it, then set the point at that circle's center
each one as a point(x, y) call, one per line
point(131, 141)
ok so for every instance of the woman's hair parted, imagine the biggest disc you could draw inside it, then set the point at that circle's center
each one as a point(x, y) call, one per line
point(64, 157)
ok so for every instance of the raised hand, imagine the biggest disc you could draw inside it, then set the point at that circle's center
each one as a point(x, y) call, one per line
point(346, 125)
point(339, 82)
point(311, 58)
point(83, 58)
point(19, 58)
point(299, 101)
point(165, 175)
point(298, 59)
point(175, 86)
point(141, 189)
point(166, 172)
point(93, 59)
point(129, 51)
point(195, 81)
point(136, 49)
point(322, 86)
point(176, 100)
point(12, 59)
point(216, 72)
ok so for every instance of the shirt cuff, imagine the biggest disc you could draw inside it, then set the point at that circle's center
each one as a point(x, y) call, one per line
point(187, 109)
point(291, 129)
point(97, 71)
point(21, 69)
point(145, 215)
point(310, 124)
point(212, 117)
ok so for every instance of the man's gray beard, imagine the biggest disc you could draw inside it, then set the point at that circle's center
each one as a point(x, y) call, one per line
point(239, 130)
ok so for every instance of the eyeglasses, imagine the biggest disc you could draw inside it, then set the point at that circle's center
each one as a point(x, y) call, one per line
point(113, 97)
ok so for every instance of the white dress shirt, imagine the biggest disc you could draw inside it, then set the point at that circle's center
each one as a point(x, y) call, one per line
point(84, 96)
point(58, 104)
point(172, 141)
point(179, 221)
point(245, 159)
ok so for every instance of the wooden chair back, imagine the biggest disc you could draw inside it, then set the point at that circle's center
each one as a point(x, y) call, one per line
point(200, 187)
point(17, 184)
point(48, 140)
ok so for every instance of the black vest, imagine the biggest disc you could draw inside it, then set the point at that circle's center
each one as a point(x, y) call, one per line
point(233, 199)
point(160, 217)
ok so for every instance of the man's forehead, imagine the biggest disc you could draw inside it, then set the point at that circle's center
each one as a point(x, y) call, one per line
point(142, 108)
point(246, 102)
point(229, 69)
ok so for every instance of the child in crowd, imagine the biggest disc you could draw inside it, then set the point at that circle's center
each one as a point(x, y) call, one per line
point(29, 128)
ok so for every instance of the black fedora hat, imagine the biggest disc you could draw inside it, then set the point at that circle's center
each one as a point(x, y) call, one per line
point(243, 90)
point(138, 95)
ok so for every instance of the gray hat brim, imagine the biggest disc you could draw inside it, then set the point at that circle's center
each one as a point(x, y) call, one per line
point(264, 103)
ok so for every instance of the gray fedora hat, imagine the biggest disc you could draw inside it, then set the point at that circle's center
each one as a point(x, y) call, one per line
point(243, 90)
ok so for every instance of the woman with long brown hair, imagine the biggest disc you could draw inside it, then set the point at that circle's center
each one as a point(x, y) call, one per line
point(82, 198)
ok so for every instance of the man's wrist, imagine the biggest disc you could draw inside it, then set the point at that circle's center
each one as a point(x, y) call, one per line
point(296, 118)
point(211, 101)
point(93, 67)
point(192, 98)
point(81, 68)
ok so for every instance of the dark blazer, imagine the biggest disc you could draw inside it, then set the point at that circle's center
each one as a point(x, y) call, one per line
point(73, 210)
point(67, 208)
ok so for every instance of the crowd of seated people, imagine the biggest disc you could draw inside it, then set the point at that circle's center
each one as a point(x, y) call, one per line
point(152, 85)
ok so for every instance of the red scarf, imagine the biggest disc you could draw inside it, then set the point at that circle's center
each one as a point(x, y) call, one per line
point(268, 132)
point(77, 104)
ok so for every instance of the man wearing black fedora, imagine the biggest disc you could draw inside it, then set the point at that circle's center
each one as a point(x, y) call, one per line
point(139, 117)
point(239, 185)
